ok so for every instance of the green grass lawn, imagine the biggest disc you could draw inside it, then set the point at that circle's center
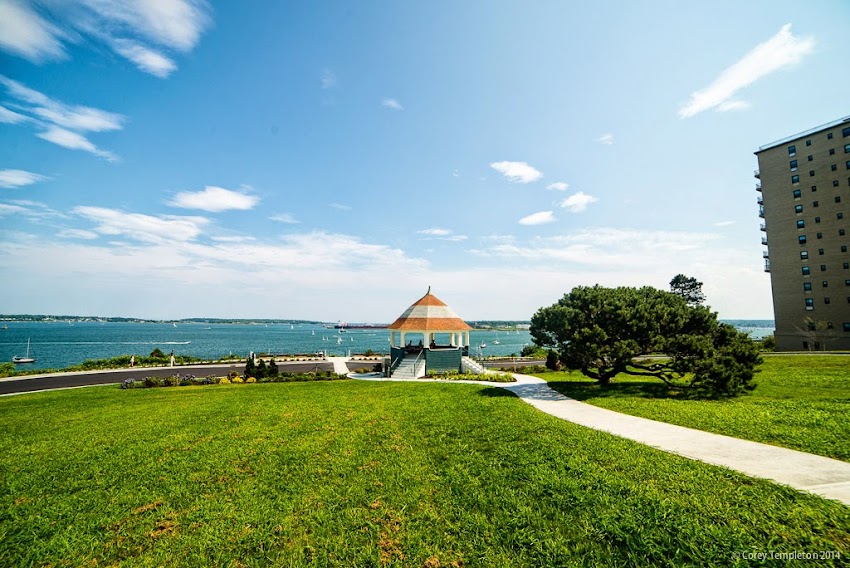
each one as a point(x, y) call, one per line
point(801, 402)
point(352, 473)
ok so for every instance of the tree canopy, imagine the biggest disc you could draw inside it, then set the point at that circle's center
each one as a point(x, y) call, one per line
point(605, 331)
point(689, 288)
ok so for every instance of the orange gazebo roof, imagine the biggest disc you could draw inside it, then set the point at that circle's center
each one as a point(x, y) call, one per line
point(429, 313)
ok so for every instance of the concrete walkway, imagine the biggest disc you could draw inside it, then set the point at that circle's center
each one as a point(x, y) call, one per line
point(826, 477)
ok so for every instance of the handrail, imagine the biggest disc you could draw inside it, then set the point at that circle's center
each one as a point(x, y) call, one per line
point(416, 362)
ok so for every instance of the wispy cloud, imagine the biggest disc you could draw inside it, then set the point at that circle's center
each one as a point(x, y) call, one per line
point(18, 178)
point(341, 207)
point(328, 79)
point(214, 199)
point(140, 31)
point(577, 202)
point(287, 218)
point(724, 223)
point(517, 172)
point(77, 234)
point(58, 122)
point(391, 104)
point(145, 228)
point(540, 218)
point(442, 234)
point(607, 139)
point(25, 33)
point(781, 51)
point(558, 186)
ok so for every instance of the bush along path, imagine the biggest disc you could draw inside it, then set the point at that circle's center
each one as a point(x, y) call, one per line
point(822, 476)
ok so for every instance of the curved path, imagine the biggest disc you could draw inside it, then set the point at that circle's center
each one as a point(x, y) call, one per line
point(826, 477)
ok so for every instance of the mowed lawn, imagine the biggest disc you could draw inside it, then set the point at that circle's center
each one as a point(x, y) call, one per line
point(367, 474)
point(801, 402)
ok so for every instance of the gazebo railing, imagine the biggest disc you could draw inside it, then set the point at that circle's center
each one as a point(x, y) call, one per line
point(416, 363)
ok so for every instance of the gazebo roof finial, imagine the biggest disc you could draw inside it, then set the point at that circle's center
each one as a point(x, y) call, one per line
point(429, 291)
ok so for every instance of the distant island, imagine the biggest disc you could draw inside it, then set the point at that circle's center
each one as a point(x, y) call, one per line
point(497, 325)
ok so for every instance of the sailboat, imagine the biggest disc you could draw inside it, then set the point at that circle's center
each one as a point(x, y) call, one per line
point(17, 359)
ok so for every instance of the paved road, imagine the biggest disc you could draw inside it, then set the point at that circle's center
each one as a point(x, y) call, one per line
point(32, 383)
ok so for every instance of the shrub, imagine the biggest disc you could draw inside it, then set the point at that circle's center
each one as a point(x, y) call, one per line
point(172, 381)
point(250, 380)
point(153, 382)
point(768, 343)
point(225, 380)
point(238, 380)
point(552, 362)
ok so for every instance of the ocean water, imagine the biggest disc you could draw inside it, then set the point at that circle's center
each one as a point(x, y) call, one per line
point(62, 344)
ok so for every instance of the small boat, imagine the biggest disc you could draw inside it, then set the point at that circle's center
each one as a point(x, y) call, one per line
point(496, 342)
point(338, 340)
point(174, 324)
point(482, 346)
point(314, 332)
point(17, 359)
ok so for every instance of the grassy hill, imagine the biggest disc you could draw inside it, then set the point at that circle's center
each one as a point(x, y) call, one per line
point(366, 474)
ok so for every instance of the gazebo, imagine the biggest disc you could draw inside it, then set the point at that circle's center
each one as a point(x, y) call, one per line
point(430, 336)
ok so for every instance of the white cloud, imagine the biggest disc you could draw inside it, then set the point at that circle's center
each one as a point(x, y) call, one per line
point(435, 232)
point(25, 33)
point(391, 104)
point(18, 178)
point(442, 234)
point(10, 117)
point(733, 105)
point(6, 209)
point(341, 207)
point(724, 223)
point(74, 141)
point(214, 199)
point(517, 172)
point(783, 50)
point(540, 218)
point(145, 59)
point(129, 27)
point(577, 202)
point(287, 218)
point(607, 139)
point(558, 186)
point(32, 210)
point(60, 123)
point(145, 228)
point(328, 79)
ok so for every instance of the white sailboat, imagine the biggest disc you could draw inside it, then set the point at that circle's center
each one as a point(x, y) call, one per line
point(17, 359)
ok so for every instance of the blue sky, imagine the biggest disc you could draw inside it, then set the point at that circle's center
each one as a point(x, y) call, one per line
point(332, 160)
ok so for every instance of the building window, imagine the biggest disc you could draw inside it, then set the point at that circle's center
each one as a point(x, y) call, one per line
point(796, 179)
point(801, 224)
point(810, 157)
point(807, 286)
point(838, 199)
point(812, 172)
point(820, 251)
point(846, 132)
point(798, 209)
point(829, 136)
point(847, 163)
point(810, 303)
point(843, 248)
point(793, 165)
point(840, 215)
point(820, 235)
point(808, 142)
point(804, 254)
point(833, 167)
point(814, 188)
point(832, 151)
point(797, 194)
point(814, 203)
point(840, 232)
point(792, 151)
point(847, 326)
point(847, 282)
point(825, 284)
point(847, 148)
point(847, 266)
point(806, 271)
point(817, 219)
point(826, 300)
point(823, 268)
point(835, 183)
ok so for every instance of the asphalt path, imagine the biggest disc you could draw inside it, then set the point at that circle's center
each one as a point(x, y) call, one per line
point(48, 381)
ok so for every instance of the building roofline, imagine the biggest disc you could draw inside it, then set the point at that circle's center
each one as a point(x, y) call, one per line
point(804, 133)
